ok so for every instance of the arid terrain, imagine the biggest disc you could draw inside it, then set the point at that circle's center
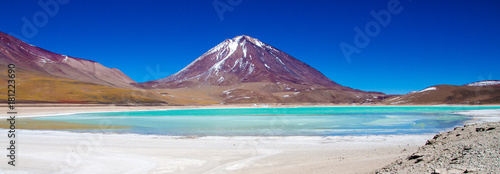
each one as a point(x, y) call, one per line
point(469, 149)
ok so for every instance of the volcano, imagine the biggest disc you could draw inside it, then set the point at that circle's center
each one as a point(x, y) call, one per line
point(249, 68)
point(245, 59)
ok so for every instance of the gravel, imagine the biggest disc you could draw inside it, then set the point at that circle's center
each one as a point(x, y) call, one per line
point(469, 149)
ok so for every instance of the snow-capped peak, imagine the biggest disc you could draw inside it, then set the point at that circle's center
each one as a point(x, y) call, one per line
point(245, 59)
point(237, 38)
point(255, 41)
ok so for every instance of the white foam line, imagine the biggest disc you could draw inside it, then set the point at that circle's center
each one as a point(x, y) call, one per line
point(481, 116)
point(368, 139)
point(82, 112)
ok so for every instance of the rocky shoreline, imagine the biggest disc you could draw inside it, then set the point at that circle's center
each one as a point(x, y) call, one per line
point(470, 149)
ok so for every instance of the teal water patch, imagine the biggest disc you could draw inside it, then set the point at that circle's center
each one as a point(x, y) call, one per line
point(302, 121)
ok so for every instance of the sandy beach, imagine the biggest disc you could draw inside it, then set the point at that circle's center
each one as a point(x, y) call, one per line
point(42, 151)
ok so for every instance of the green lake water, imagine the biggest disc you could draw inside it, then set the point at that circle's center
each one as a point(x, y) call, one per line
point(301, 121)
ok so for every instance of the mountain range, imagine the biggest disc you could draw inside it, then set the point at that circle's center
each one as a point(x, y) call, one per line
point(238, 70)
point(46, 77)
point(482, 92)
point(35, 59)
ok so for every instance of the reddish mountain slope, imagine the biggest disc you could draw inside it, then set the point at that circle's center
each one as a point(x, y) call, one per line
point(244, 69)
point(482, 92)
point(29, 57)
point(46, 77)
point(246, 59)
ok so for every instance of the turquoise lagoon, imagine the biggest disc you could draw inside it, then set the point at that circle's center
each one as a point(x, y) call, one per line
point(300, 121)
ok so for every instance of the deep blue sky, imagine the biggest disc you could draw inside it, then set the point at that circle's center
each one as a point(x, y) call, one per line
point(429, 42)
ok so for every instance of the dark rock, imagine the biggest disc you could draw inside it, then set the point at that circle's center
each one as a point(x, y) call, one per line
point(414, 156)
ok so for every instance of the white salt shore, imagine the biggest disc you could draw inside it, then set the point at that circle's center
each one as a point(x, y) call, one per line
point(482, 116)
point(68, 152)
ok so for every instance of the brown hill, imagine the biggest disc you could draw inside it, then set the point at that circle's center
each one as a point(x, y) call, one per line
point(43, 76)
point(450, 94)
point(34, 59)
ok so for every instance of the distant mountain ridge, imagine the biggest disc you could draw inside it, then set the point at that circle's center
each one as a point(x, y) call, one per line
point(485, 83)
point(29, 57)
point(42, 76)
point(481, 92)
